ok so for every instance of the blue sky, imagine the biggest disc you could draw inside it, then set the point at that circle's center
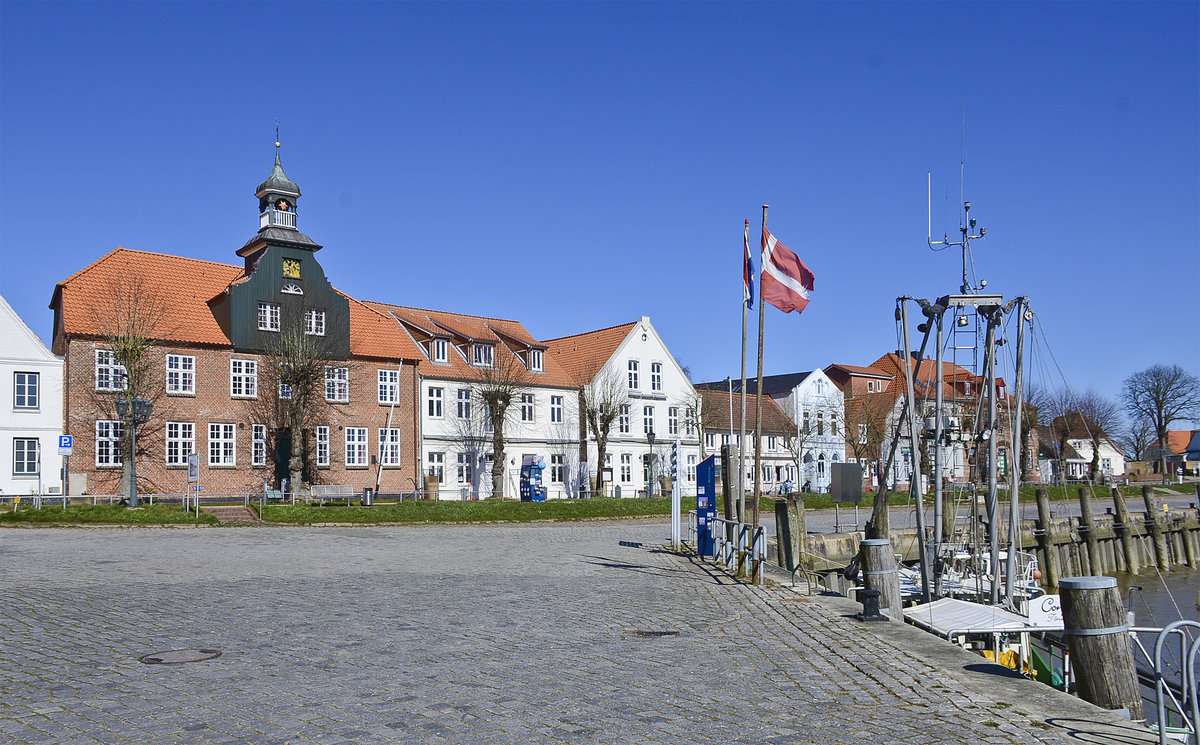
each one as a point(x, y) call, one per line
point(574, 165)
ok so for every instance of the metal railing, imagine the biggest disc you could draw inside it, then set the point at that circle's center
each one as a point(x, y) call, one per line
point(733, 543)
point(1167, 696)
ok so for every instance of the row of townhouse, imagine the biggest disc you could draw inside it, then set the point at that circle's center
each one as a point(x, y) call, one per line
point(403, 397)
point(850, 413)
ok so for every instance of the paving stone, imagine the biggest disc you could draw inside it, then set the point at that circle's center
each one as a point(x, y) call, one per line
point(465, 634)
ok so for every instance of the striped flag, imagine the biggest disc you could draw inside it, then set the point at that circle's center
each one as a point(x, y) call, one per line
point(748, 273)
point(786, 281)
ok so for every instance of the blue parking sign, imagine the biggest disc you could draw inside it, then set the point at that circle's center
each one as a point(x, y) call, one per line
point(65, 441)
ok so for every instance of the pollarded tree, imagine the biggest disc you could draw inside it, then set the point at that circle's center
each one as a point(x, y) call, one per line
point(1162, 395)
point(500, 385)
point(296, 379)
point(133, 317)
point(602, 400)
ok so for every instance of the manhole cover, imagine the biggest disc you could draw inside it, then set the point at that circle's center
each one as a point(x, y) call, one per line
point(180, 656)
point(651, 634)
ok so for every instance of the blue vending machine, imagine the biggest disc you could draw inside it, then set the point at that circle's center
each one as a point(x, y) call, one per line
point(531, 478)
point(706, 505)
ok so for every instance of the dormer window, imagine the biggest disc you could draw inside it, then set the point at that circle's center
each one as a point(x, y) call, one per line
point(535, 360)
point(439, 350)
point(482, 355)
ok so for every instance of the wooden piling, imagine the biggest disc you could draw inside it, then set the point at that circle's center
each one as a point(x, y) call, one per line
point(1124, 531)
point(1086, 514)
point(791, 532)
point(1049, 549)
point(1101, 652)
point(881, 573)
point(1161, 558)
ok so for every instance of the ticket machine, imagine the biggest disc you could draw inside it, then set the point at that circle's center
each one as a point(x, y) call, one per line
point(531, 478)
point(706, 505)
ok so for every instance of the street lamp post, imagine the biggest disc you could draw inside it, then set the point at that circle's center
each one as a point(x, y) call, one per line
point(650, 464)
point(139, 411)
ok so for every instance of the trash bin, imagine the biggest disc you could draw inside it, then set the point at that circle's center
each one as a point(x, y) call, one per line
point(368, 497)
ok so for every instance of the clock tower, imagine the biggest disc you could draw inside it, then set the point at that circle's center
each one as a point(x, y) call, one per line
point(282, 283)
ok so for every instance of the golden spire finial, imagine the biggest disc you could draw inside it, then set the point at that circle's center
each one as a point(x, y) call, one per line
point(276, 134)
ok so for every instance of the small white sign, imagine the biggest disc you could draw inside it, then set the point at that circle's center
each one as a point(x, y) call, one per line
point(1046, 611)
point(193, 468)
point(65, 444)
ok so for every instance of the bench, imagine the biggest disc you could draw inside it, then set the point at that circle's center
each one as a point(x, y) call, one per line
point(322, 492)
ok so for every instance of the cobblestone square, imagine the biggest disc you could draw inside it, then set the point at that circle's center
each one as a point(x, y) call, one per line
point(467, 634)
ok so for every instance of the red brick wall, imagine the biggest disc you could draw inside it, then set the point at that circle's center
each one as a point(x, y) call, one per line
point(212, 403)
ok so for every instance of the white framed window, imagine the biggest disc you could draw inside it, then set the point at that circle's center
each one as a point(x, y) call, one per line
point(862, 434)
point(526, 407)
point(439, 350)
point(482, 355)
point(25, 456)
point(558, 469)
point(623, 419)
point(691, 468)
point(656, 376)
point(673, 421)
point(268, 317)
point(647, 419)
point(771, 442)
point(181, 374)
point(690, 423)
point(833, 425)
point(819, 386)
point(437, 466)
point(820, 424)
point(356, 446)
point(767, 473)
point(389, 386)
point(870, 386)
point(110, 375)
point(181, 442)
point(337, 384)
point(710, 440)
point(435, 403)
point(389, 446)
point(108, 442)
point(535, 360)
point(626, 468)
point(222, 441)
point(258, 444)
point(464, 403)
point(633, 375)
point(285, 391)
point(556, 409)
point(463, 474)
point(322, 434)
point(26, 386)
point(488, 425)
point(314, 322)
point(243, 379)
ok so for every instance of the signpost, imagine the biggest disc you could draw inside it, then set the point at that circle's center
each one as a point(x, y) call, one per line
point(66, 444)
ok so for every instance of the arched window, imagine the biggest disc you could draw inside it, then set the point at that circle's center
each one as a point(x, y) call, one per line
point(821, 464)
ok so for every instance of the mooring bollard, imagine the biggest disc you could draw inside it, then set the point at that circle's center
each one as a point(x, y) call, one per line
point(1097, 632)
point(881, 574)
point(1086, 513)
point(870, 604)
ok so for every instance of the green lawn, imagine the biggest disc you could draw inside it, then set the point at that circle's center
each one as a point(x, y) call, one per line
point(103, 514)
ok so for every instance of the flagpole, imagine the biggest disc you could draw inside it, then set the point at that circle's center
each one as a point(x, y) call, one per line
point(758, 391)
point(741, 443)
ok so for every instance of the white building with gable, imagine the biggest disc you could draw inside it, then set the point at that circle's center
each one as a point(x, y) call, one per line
point(31, 412)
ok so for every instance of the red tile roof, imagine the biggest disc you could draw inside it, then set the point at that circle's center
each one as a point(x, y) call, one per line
point(716, 413)
point(1177, 440)
point(582, 355)
point(180, 286)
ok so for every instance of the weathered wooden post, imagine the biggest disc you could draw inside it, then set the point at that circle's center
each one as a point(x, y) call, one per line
point(1049, 549)
point(1089, 533)
point(1097, 632)
point(881, 573)
point(1125, 532)
point(790, 531)
point(1161, 558)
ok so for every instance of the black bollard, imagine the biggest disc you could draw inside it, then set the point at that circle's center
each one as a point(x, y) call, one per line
point(870, 604)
